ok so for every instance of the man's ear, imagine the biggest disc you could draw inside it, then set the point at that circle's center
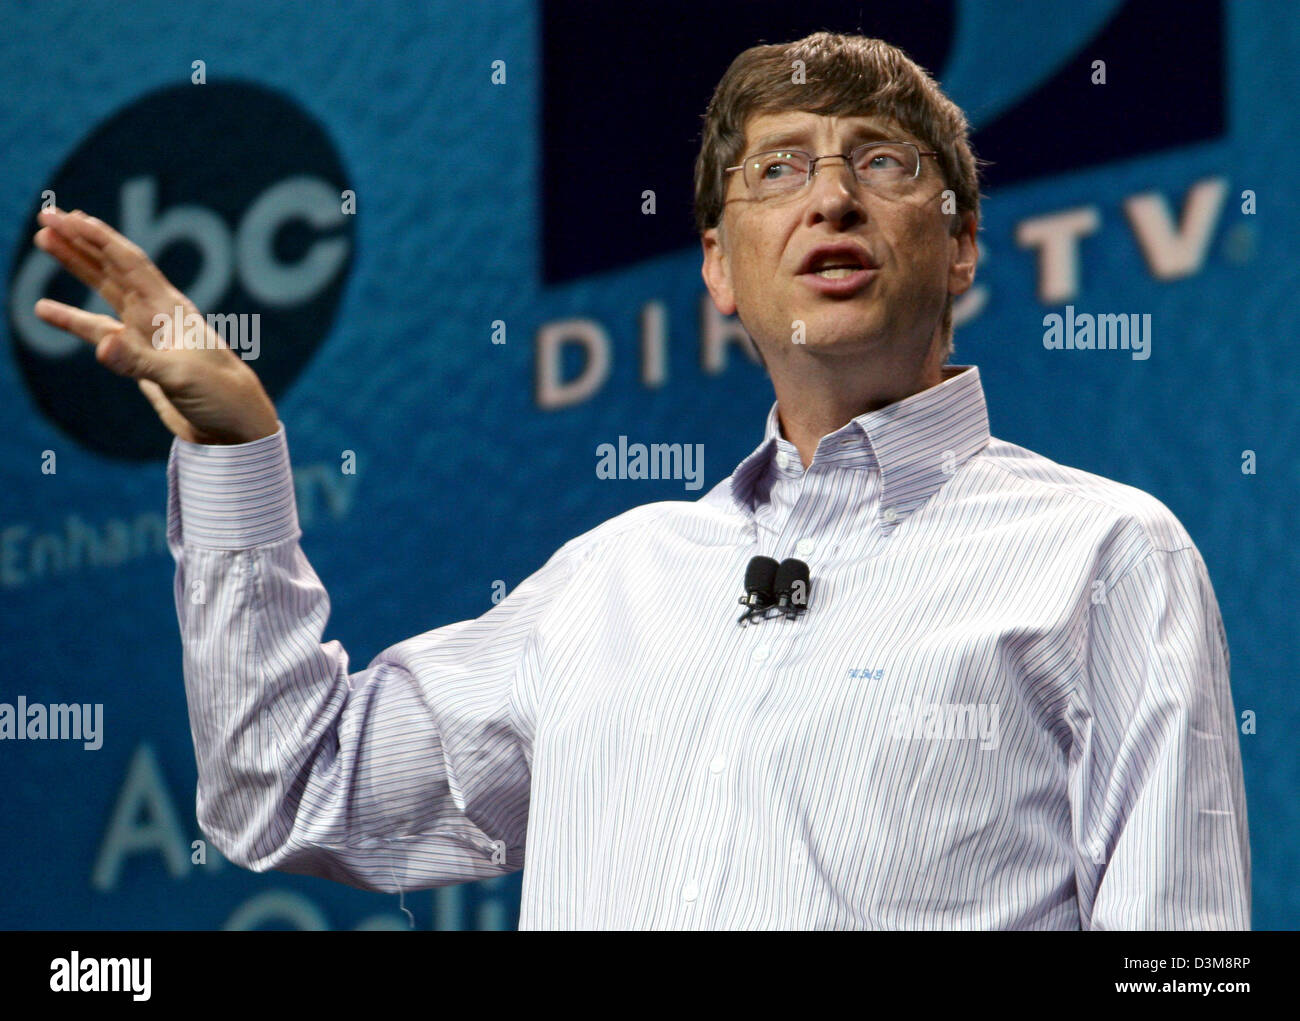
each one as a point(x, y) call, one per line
point(717, 272)
point(965, 254)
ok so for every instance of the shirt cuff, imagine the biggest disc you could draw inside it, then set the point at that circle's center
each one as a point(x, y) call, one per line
point(235, 496)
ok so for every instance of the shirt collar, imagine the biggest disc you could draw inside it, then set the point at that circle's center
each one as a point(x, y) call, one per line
point(917, 444)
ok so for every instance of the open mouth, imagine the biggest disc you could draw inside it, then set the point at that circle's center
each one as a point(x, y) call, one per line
point(836, 261)
point(838, 271)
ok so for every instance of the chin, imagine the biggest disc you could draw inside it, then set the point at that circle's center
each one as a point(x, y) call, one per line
point(845, 346)
point(845, 330)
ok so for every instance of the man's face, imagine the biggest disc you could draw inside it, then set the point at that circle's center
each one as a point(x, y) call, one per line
point(758, 267)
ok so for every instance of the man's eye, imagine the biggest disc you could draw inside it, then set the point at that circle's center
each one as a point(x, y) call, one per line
point(886, 159)
point(777, 169)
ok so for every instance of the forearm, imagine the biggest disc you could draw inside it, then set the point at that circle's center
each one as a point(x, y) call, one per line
point(264, 701)
point(1162, 809)
point(301, 767)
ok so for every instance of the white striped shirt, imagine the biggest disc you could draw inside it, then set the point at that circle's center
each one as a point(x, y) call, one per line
point(1007, 705)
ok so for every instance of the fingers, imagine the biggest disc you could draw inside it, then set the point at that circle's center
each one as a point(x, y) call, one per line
point(89, 326)
point(123, 261)
point(85, 266)
point(55, 222)
point(106, 333)
point(114, 265)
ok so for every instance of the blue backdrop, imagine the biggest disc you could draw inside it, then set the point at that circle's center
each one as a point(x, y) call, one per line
point(429, 204)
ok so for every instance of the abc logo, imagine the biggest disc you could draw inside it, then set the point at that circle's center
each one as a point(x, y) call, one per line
point(236, 194)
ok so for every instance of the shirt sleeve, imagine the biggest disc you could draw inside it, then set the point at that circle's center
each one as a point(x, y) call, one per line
point(1156, 788)
point(412, 773)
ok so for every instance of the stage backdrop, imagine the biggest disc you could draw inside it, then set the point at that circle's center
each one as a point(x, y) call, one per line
point(466, 229)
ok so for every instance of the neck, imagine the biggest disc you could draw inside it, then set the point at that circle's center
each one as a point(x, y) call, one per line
point(825, 394)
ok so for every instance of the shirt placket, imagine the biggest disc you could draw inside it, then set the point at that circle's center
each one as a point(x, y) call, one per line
point(764, 647)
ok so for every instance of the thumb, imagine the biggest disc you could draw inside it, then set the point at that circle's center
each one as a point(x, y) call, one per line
point(115, 353)
point(171, 418)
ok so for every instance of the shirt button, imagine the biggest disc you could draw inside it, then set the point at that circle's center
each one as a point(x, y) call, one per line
point(804, 546)
point(782, 459)
point(759, 654)
point(690, 891)
point(718, 764)
point(890, 515)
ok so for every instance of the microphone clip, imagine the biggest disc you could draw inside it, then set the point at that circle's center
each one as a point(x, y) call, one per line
point(772, 589)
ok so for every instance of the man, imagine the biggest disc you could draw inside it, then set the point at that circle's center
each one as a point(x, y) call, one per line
point(1007, 702)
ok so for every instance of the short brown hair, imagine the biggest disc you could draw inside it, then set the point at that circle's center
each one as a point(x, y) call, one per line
point(846, 75)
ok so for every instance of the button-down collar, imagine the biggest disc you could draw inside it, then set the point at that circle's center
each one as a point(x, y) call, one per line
point(916, 444)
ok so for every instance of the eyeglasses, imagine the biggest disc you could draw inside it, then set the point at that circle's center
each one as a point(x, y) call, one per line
point(890, 169)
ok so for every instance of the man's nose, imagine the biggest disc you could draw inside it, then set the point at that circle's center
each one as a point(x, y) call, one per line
point(836, 192)
point(843, 163)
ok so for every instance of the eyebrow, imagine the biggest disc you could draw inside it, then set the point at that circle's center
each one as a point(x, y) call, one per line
point(799, 136)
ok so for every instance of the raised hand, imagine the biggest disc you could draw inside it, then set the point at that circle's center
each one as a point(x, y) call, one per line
point(207, 395)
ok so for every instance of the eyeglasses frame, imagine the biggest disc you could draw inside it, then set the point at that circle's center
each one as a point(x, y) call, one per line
point(846, 157)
